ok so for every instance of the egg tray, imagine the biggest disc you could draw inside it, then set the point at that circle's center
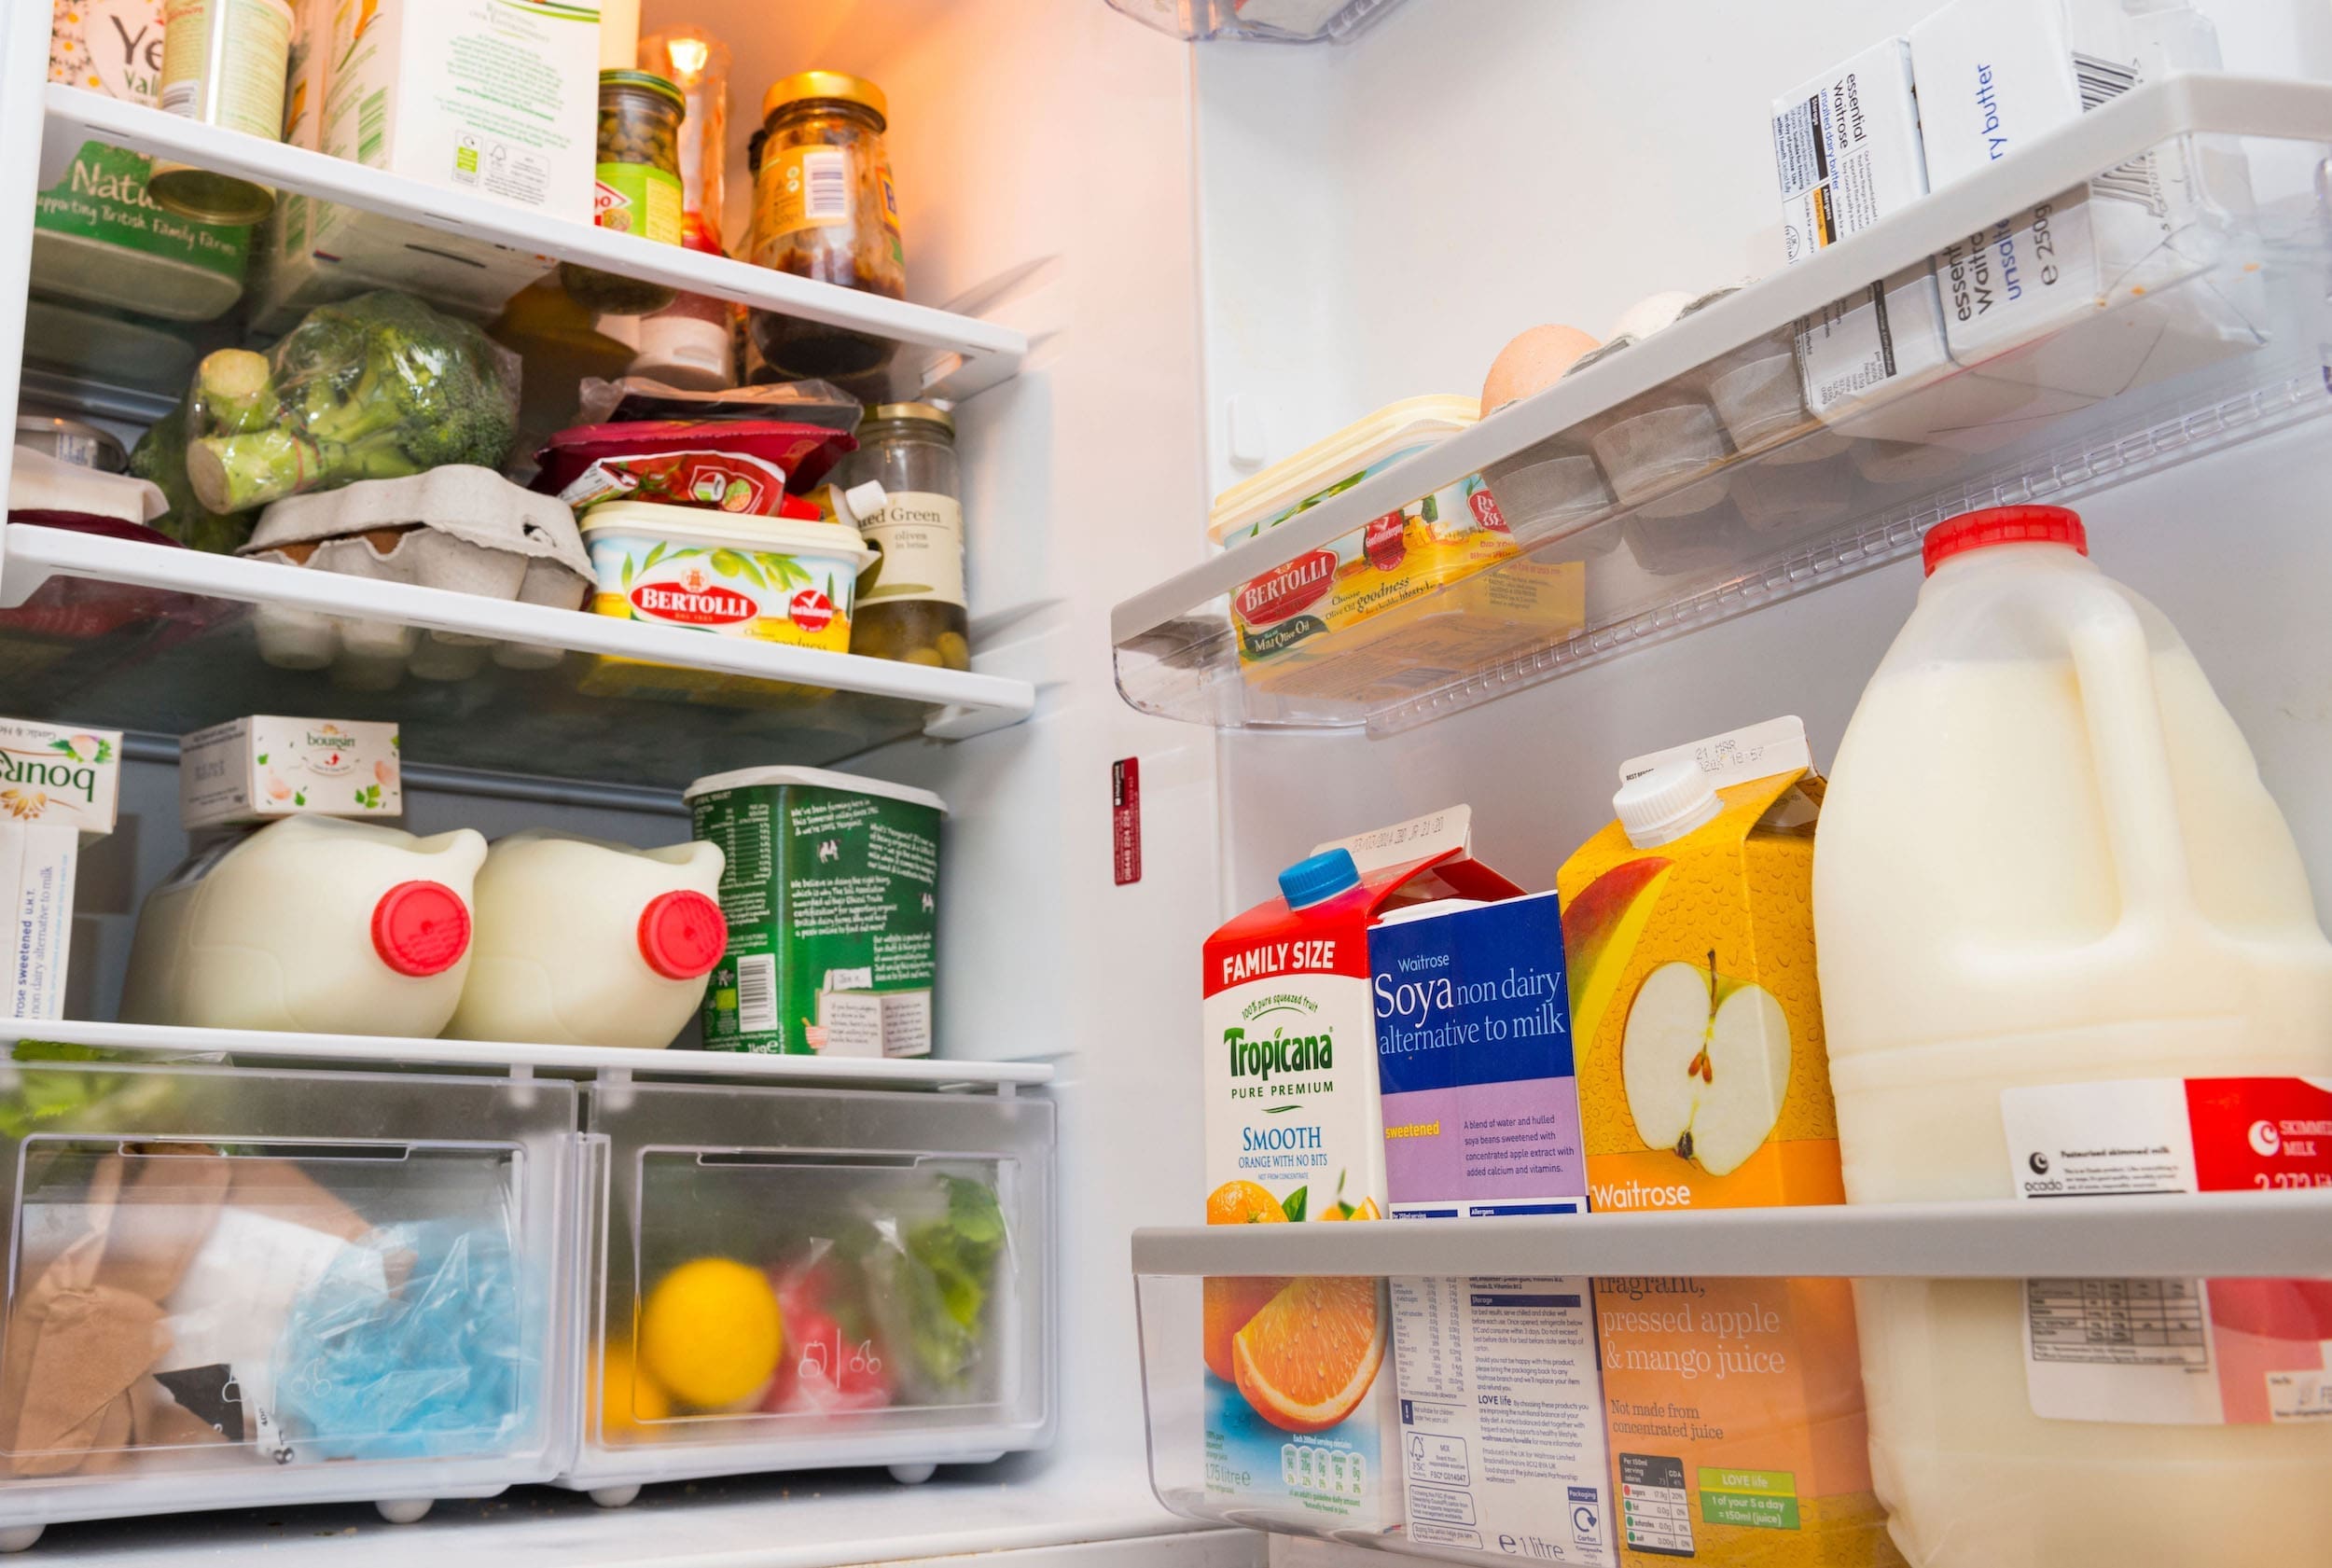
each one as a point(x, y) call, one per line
point(462, 529)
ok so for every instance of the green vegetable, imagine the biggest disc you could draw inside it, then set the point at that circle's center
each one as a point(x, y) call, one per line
point(377, 387)
point(38, 1099)
point(160, 455)
point(944, 1289)
point(235, 389)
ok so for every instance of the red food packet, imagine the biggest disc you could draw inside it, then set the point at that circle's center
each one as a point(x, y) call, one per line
point(741, 465)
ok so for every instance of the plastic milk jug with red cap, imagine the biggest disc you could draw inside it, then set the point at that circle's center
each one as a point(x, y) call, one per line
point(587, 943)
point(310, 925)
point(2067, 949)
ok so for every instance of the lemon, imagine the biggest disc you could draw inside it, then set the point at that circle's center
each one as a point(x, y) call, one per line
point(631, 1399)
point(711, 1333)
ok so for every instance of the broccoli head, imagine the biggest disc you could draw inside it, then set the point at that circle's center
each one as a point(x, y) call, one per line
point(377, 387)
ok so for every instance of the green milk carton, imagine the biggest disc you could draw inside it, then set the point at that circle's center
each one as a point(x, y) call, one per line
point(832, 898)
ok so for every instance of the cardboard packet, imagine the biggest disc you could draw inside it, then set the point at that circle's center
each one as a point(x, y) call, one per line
point(1294, 1134)
point(266, 767)
point(59, 790)
point(1735, 1407)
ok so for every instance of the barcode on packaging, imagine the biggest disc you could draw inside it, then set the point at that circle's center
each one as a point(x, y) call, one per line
point(756, 992)
point(824, 185)
point(2101, 81)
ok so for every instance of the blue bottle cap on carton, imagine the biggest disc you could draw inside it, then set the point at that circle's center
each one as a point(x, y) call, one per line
point(1319, 879)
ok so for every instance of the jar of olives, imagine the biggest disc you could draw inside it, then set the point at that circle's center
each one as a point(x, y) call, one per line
point(910, 602)
point(639, 186)
point(823, 208)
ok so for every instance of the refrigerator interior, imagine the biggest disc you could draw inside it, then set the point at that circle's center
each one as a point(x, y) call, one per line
point(1221, 253)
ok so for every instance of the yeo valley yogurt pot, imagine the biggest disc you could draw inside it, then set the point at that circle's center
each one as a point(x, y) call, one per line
point(776, 580)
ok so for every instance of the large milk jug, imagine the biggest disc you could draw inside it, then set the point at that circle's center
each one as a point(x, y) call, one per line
point(2046, 858)
point(310, 925)
point(585, 943)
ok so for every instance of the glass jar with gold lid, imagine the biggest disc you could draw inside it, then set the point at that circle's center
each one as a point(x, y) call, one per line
point(823, 208)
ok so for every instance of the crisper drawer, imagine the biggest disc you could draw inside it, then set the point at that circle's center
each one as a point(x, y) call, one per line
point(794, 1279)
point(229, 1286)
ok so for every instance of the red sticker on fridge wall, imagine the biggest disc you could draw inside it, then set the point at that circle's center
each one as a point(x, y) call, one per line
point(1125, 819)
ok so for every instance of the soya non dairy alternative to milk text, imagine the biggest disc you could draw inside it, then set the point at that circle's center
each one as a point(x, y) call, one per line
point(1474, 1061)
point(2029, 938)
point(1735, 1406)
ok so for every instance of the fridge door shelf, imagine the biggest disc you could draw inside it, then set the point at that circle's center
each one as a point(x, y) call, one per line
point(1684, 480)
point(139, 636)
point(945, 355)
point(2219, 1234)
point(509, 1058)
point(1487, 1332)
point(218, 1279)
point(895, 1252)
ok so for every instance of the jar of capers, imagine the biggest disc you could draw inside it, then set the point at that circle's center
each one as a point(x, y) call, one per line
point(823, 208)
point(639, 186)
point(910, 602)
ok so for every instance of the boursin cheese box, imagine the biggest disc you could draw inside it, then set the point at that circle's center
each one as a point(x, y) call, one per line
point(1298, 1406)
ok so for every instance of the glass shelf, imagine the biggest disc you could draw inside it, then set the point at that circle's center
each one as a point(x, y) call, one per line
point(944, 355)
point(138, 636)
point(1684, 480)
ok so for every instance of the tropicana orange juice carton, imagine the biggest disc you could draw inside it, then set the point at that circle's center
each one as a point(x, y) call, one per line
point(1299, 1422)
point(1735, 1407)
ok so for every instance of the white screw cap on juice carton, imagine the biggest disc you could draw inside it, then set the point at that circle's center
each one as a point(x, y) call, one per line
point(1665, 804)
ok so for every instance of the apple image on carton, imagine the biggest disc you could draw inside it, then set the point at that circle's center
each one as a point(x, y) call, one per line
point(1600, 930)
point(1705, 1063)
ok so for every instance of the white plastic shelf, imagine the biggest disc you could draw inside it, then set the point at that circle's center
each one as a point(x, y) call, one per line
point(2242, 1235)
point(144, 637)
point(499, 1057)
point(1795, 503)
point(956, 356)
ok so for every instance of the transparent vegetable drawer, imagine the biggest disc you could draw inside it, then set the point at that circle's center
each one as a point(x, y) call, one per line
point(229, 1286)
point(800, 1279)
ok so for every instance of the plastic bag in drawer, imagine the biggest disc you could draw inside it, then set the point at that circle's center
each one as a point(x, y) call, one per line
point(892, 1298)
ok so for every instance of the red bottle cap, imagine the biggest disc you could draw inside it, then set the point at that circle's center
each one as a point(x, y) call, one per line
point(681, 935)
point(421, 928)
point(2004, 525)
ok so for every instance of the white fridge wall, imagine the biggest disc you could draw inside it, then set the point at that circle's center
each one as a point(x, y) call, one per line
point(1378, 221)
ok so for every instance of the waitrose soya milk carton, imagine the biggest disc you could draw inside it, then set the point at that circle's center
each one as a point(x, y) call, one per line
point(1501, 1405)
point(1299, 1412)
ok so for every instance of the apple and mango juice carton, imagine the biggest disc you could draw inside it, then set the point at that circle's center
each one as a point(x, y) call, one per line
point(1735, 1407)
point(1501, 1445)
point(1299, 1422)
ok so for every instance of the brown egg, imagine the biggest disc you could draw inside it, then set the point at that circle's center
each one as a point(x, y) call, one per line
point(1537, 358)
